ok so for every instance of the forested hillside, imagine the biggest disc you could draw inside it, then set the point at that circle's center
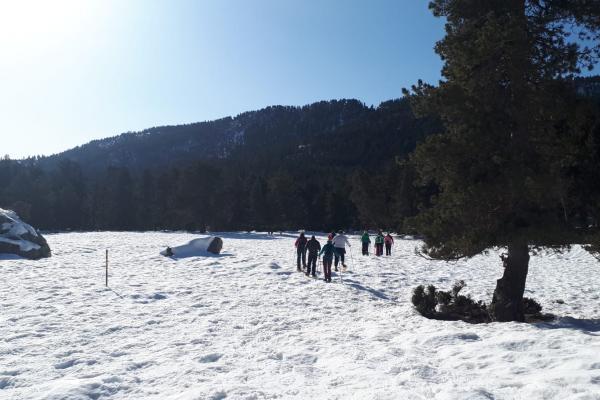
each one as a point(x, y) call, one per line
point(326, 165)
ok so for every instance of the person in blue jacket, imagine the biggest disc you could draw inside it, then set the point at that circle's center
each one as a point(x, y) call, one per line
point(328, 251)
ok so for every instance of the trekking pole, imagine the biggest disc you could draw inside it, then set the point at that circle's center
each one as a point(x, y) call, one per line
point(319, 265)
point(106, 270)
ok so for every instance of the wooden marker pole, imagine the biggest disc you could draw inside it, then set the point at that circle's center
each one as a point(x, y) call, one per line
point(106, 272)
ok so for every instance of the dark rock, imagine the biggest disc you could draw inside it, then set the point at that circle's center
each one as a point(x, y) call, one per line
point(215, 246)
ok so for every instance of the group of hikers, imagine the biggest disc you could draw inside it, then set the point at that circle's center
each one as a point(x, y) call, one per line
point(380, 241)
point(335, 249)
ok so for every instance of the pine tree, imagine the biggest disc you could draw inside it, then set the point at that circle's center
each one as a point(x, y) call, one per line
point(117, 206)
point(513, 131)
point(68, 190)
point(147, 212)
point(259, 204)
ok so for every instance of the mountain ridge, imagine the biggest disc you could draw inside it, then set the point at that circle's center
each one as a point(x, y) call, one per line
point(210, 140)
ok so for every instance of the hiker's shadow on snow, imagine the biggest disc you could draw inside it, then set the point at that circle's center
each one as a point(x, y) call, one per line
point(587, 326)
point(377, 293)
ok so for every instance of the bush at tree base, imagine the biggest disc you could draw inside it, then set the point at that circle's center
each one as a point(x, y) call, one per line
point(452, 306)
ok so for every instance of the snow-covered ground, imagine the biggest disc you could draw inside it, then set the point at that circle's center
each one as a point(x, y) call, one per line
point(245, 325)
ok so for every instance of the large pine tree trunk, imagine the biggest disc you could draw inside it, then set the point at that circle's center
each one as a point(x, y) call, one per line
point(507, 303)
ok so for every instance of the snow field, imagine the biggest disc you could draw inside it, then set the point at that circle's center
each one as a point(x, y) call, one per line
point(245, 325)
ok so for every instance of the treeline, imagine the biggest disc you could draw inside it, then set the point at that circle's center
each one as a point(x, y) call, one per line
point(326, 166)
point(208, 196)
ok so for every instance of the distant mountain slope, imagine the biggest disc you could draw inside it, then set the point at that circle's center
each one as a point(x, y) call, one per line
point(327, 165)
point(340, 131)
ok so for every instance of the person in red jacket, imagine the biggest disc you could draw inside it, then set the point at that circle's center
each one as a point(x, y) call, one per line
point(301, 251)
point(389, 241)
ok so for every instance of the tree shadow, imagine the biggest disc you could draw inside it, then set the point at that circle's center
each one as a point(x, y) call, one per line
point(377, 293)
point(265, 236)
point(587, 326)
point(243, 235)
point(203, 254)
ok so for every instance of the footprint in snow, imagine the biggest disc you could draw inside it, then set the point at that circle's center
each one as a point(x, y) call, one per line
point(6, 382)
point(65, 364)
point(210, 358)
point(218, 396)
point(139, 365)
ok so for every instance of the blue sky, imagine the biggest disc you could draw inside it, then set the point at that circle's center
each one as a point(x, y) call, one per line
point(72, 71)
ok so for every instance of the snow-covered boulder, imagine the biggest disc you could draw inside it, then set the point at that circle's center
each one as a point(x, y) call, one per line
point(17, 237)
point(197, 247)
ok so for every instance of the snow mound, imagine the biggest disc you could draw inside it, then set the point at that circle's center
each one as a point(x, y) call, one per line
point(196, 247)
point(19, 238)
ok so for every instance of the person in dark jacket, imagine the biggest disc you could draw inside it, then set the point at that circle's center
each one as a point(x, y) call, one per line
point(327, 251)
point(301, 251)
point(389, 241)
point(313, 246)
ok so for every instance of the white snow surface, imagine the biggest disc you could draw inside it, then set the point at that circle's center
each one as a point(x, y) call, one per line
point(245, 325)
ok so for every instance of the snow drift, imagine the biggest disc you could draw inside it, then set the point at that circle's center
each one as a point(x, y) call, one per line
point(196, 247)
point(19, 238)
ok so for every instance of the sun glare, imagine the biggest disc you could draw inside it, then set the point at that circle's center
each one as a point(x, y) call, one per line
point(33, 23)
